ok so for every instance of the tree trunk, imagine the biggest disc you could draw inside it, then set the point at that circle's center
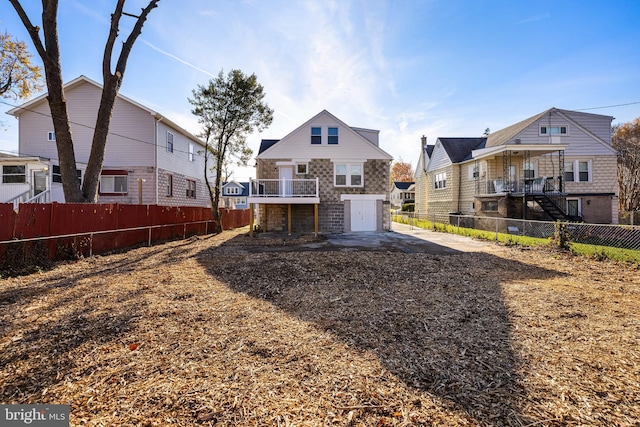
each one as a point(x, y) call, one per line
point(57, 102)
point(100, 134)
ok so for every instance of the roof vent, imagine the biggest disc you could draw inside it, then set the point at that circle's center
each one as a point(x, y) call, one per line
point(518, 141)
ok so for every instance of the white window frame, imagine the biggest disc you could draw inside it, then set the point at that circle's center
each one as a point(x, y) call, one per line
point(191, 189)
point(554, 130)
point(312, 135)
point(440, 180)
point(169, 185)
point(169, 142)
point(191, 154)
point(304, 170)
point(232, 190)
point(51, 136)
point(575, 164)
point(349, 168)
point(108, 184)
point(335, 137)
point(8, 178)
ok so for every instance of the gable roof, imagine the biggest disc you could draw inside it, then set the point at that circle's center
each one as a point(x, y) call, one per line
point(244, 187)
point(459, 149)
point(400, 185)
point(358, 132)
point(265, 144)
point(503, 136)
point(83, 80)
point(429, 149)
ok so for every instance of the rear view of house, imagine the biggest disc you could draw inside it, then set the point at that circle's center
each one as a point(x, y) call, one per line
point(556, 165)
point(325, 176)
point(148, 160)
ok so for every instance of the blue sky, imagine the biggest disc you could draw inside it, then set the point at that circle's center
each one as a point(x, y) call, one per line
point(405, 67)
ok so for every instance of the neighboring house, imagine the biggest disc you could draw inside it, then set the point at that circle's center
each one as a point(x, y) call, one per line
point(402, 192)
point(148, 160)
point(556, 165)
point(420, 176)
point(24, 179)
point(324, 176)
point(234, 195)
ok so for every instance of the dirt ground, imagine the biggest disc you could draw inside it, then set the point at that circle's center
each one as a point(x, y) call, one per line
point(222, 330)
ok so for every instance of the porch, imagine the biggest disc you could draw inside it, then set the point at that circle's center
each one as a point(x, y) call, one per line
point(533, 174)
point(284, 191)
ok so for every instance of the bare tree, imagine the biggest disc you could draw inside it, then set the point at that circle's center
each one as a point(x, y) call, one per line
point(49, 51)
point(626, 140)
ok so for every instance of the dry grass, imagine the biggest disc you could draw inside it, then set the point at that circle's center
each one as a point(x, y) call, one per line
point(224, 331)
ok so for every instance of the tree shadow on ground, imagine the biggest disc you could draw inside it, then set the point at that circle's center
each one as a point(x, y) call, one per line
point(45, 320)
point(438, 322)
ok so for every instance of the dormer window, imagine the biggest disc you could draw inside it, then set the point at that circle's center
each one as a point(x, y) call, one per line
point(554, 130)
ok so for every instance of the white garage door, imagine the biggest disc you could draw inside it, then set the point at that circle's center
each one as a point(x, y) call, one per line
point(363, 215)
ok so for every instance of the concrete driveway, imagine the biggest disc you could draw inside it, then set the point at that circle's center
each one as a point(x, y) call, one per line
point(402, 238)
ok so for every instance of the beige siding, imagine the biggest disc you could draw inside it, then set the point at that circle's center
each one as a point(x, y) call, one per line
point(443, 201)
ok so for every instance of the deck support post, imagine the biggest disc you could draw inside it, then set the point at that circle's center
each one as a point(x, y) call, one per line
point(289, 218)
point(315, 219)
point(250, 219)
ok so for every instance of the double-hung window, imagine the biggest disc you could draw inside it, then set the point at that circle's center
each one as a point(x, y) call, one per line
point(530, 169)
point(578, 171)
point(440, 180)
point(51, 136)
point(348, 175)
point(14, 174)
point(332, 136)
point(191, 189)
point(169, 142)
point(191, 152)
point(316, 135)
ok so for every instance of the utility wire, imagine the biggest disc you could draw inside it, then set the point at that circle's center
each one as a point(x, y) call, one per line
point(175, 150)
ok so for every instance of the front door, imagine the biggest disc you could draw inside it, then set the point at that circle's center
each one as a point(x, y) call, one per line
point(286, 175)
point(363, 215)
point(39, 182)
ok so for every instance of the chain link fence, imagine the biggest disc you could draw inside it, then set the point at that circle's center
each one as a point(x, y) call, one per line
point(617, 236)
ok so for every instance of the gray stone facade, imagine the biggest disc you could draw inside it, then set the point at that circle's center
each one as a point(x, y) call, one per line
point(331, 210)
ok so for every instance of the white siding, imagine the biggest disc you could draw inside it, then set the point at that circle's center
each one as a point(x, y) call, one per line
point(178, 161)
point(439, 158)
point(351, 145)
point(82, 102)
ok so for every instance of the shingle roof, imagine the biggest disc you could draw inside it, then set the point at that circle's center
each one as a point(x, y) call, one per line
point(429, 150)
point(459, 149)
point(402, 185)
point(265, 144)
point(503, 136)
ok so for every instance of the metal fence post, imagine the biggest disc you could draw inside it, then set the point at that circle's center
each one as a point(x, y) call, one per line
point(90, 245)
point(149, 236)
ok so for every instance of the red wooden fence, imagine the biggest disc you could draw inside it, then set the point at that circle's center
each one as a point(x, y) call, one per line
point(93, 228)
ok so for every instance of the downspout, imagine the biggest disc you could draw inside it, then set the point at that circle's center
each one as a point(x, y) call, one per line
point(459, 187)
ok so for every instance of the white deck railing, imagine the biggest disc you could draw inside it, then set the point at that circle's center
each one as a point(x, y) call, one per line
point(283, 187)
point(536, 185)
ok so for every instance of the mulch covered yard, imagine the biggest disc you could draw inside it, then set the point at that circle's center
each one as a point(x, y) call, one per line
point(223, 330)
